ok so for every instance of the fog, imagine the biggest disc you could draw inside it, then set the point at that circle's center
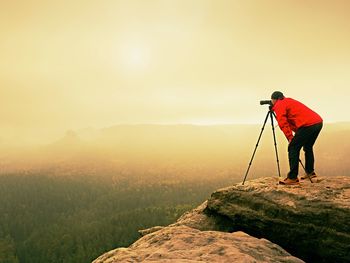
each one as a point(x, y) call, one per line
point(154, 152)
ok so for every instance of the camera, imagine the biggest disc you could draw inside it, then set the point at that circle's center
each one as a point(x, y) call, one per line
point(268, 102)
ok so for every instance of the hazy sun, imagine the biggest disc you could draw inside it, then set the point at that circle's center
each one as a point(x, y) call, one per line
point(135, 57)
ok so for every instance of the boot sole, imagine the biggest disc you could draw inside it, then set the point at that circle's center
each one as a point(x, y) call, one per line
point(308, 177)
point(289, 184)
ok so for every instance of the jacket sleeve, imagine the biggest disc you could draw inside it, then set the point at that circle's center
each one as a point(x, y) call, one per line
point(281, 116)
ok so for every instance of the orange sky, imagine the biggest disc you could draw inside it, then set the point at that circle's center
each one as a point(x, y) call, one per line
point(75, 64)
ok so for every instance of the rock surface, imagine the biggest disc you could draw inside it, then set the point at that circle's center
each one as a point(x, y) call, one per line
point(185, 244)
point(311, 221)
point(201, 220)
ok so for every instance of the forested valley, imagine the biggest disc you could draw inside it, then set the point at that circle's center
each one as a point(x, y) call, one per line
point(75, 219)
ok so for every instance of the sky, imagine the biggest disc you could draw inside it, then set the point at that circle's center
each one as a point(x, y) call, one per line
point(68, 65)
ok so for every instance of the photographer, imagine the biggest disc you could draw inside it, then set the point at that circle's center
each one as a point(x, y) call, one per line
point(293, 116)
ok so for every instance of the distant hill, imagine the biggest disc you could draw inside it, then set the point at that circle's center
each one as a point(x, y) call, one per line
point(184, 147)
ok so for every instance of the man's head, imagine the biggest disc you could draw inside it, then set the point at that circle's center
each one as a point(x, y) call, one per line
point(277, 95)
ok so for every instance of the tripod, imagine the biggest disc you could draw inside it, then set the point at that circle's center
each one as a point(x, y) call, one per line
point(270, 114)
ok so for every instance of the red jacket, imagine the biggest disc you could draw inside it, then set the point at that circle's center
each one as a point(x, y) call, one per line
point(292, 114)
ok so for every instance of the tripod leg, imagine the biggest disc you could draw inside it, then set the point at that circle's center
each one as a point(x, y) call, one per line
point(302, 165)
point(274, 140)
point(305, 169)
point(256, 146)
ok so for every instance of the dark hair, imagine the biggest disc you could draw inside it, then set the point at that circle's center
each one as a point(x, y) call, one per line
point(277, 95)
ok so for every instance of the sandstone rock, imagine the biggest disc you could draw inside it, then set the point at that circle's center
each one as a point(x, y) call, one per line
point(150, 230)
point(311, 221)
point(185, 244)
point(200, 220)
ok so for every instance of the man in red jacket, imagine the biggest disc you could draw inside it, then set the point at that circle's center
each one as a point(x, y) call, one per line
point(301, 126)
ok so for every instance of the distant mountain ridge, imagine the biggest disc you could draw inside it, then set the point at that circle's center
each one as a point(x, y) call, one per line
point(221, 147)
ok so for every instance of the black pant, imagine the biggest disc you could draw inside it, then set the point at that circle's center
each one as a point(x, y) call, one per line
point(304, 137)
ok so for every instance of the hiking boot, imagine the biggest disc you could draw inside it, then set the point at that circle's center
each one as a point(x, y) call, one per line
point(308, 176)
point(289, 181)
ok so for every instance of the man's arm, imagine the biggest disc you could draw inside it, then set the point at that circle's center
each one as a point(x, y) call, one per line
point(281, 116)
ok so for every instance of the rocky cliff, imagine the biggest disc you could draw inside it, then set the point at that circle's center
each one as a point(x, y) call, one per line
point(260, 221)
